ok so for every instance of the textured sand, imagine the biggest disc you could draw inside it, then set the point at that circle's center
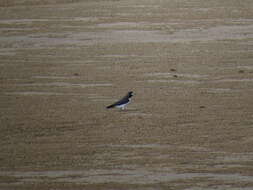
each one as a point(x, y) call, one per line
point(190, 123)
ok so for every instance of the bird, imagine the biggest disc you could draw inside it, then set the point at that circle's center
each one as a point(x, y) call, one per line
point(122, 102)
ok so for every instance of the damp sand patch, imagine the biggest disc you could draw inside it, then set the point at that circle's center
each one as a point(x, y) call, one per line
point(186, 35)
point(132, 176)
point(246, 67)
point(126, 36)
point(36, 93)
point(67, 85)
point(55, 77)
point(233, 80)
point(171, 75)
point(220, 90)
point(56, 19)
point(56, 84)
point(119, 25)
point(137, 146)
point(236, 157)
point(7, 52)
point(185, 82)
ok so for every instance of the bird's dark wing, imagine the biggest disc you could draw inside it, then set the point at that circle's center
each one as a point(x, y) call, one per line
point(124, 100)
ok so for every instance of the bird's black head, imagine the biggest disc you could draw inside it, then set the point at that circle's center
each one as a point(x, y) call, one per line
point(130, 94)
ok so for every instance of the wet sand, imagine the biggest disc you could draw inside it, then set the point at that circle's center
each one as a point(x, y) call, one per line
point(189, 125)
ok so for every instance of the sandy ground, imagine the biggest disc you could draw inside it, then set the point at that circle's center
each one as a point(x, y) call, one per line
point(190, 123)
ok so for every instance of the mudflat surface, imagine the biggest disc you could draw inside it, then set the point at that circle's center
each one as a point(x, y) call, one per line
point(190, 123)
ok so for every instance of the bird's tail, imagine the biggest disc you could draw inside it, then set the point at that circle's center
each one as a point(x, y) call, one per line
point(111, 106)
